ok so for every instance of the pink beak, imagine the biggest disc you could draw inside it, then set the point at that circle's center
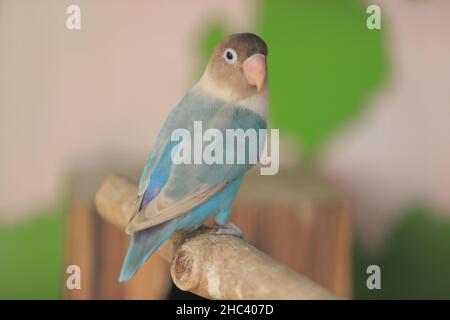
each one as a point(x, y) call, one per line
point(255, 70)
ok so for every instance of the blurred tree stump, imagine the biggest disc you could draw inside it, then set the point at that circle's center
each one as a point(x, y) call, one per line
point(301, 221)
point(294, 217)
point(99, 248)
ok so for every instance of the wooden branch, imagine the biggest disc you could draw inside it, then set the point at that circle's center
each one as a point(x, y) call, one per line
point(212, 266)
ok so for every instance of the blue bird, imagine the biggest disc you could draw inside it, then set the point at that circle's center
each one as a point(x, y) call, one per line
point(231, 94)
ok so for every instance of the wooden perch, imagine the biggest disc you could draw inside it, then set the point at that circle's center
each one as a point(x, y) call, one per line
point(213, 266)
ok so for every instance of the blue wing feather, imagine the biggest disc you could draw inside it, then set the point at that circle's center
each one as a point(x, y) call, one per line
point(159, 177)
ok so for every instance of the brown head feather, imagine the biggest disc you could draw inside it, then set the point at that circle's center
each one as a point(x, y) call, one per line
point(231, 76)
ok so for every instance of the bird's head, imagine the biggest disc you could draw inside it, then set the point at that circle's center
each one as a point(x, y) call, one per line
point(238, 66)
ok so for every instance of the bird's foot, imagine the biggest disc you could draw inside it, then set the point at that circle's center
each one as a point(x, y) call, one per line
point(228, 228)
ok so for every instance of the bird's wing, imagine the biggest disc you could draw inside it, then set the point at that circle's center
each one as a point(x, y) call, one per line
point(189, 185)
point(164, 208)
point(174, 120)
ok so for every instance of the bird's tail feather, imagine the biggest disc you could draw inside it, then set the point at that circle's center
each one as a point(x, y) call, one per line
point(143, 244)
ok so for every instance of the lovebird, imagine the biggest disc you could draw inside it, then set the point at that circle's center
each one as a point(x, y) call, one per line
point(232, 93)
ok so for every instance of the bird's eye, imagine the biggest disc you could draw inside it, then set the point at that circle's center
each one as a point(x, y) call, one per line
point(230, 56)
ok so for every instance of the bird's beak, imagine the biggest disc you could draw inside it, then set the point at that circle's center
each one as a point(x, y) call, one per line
point(255, 70)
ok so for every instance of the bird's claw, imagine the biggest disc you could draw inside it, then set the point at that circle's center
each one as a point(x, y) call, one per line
point(227, 228)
